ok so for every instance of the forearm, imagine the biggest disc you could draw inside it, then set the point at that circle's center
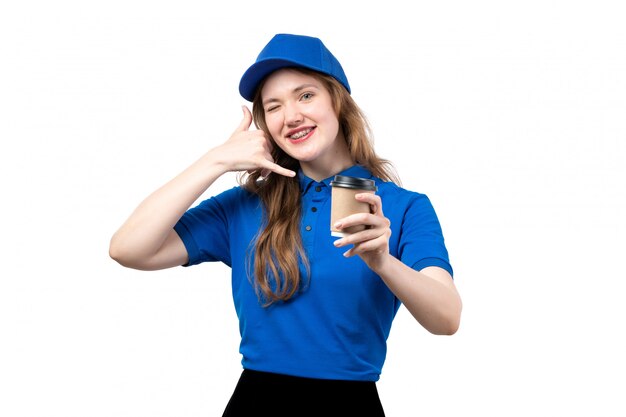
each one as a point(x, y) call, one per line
point(430, 295)
point(143, 234)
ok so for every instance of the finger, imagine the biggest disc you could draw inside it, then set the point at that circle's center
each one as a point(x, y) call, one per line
point(269, 143)
point(377, 245)
point(271, 166)
point(372, 246)
point(356, 219)
point(359, 237)
point(246, 121)
point(376, 204)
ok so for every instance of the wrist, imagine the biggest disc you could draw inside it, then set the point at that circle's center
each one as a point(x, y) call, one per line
point(382, 264)
point(215, 162)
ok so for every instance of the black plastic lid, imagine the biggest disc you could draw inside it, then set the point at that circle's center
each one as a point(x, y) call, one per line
point(353, 182)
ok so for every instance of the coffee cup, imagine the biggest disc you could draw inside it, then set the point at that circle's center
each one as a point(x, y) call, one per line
point(343, 202)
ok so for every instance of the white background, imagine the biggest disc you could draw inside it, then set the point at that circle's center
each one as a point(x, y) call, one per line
point(509, 115)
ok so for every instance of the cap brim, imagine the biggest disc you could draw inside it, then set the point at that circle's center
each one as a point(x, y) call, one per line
point(259, 70)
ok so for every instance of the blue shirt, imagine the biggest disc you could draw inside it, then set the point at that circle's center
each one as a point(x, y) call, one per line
point(337, 326)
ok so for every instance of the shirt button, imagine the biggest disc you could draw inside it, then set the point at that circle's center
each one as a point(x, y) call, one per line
point(308, 228)
point(313, 209)
point(318, 188)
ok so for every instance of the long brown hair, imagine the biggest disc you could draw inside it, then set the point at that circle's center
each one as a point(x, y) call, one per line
point(278, 250)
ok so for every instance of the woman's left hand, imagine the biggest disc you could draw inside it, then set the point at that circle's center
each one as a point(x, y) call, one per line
point(371, 244)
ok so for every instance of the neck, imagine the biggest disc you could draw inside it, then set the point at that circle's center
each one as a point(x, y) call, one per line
point(330, 164)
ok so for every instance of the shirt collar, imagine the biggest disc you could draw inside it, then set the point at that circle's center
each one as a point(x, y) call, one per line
point(353, 171)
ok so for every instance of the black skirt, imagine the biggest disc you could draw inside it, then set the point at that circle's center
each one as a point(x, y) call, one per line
point(268, 394)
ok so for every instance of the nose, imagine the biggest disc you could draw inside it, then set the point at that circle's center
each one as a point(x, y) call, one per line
point(293, 116)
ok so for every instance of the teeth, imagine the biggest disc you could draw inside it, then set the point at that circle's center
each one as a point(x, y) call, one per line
point(300, 134)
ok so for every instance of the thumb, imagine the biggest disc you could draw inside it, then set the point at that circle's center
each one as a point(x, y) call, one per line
point(246, 121)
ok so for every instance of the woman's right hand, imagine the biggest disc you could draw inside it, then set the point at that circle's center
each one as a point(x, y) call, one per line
point(147, 239)
point(248, 150)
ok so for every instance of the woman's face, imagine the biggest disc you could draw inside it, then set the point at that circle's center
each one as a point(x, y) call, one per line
point(300, 117)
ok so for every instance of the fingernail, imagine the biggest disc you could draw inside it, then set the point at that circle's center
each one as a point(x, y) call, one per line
point(338, 225)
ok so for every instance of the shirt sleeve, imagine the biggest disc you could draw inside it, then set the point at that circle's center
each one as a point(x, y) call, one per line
point(421, 242)
point(204, 229)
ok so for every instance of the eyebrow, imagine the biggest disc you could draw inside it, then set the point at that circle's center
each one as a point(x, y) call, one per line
point(295, 90)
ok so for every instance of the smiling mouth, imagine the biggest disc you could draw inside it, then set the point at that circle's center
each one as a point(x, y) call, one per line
point(301, 134)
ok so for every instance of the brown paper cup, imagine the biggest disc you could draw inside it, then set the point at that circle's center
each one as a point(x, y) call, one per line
point(343, 202)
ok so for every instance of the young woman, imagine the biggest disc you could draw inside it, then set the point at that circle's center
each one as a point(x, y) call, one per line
point(315, 311)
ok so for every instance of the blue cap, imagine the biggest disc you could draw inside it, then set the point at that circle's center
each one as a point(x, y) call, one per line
point(285, 50)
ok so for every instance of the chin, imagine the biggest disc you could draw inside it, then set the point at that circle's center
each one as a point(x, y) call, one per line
point(304, 158)
point(302, 155)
